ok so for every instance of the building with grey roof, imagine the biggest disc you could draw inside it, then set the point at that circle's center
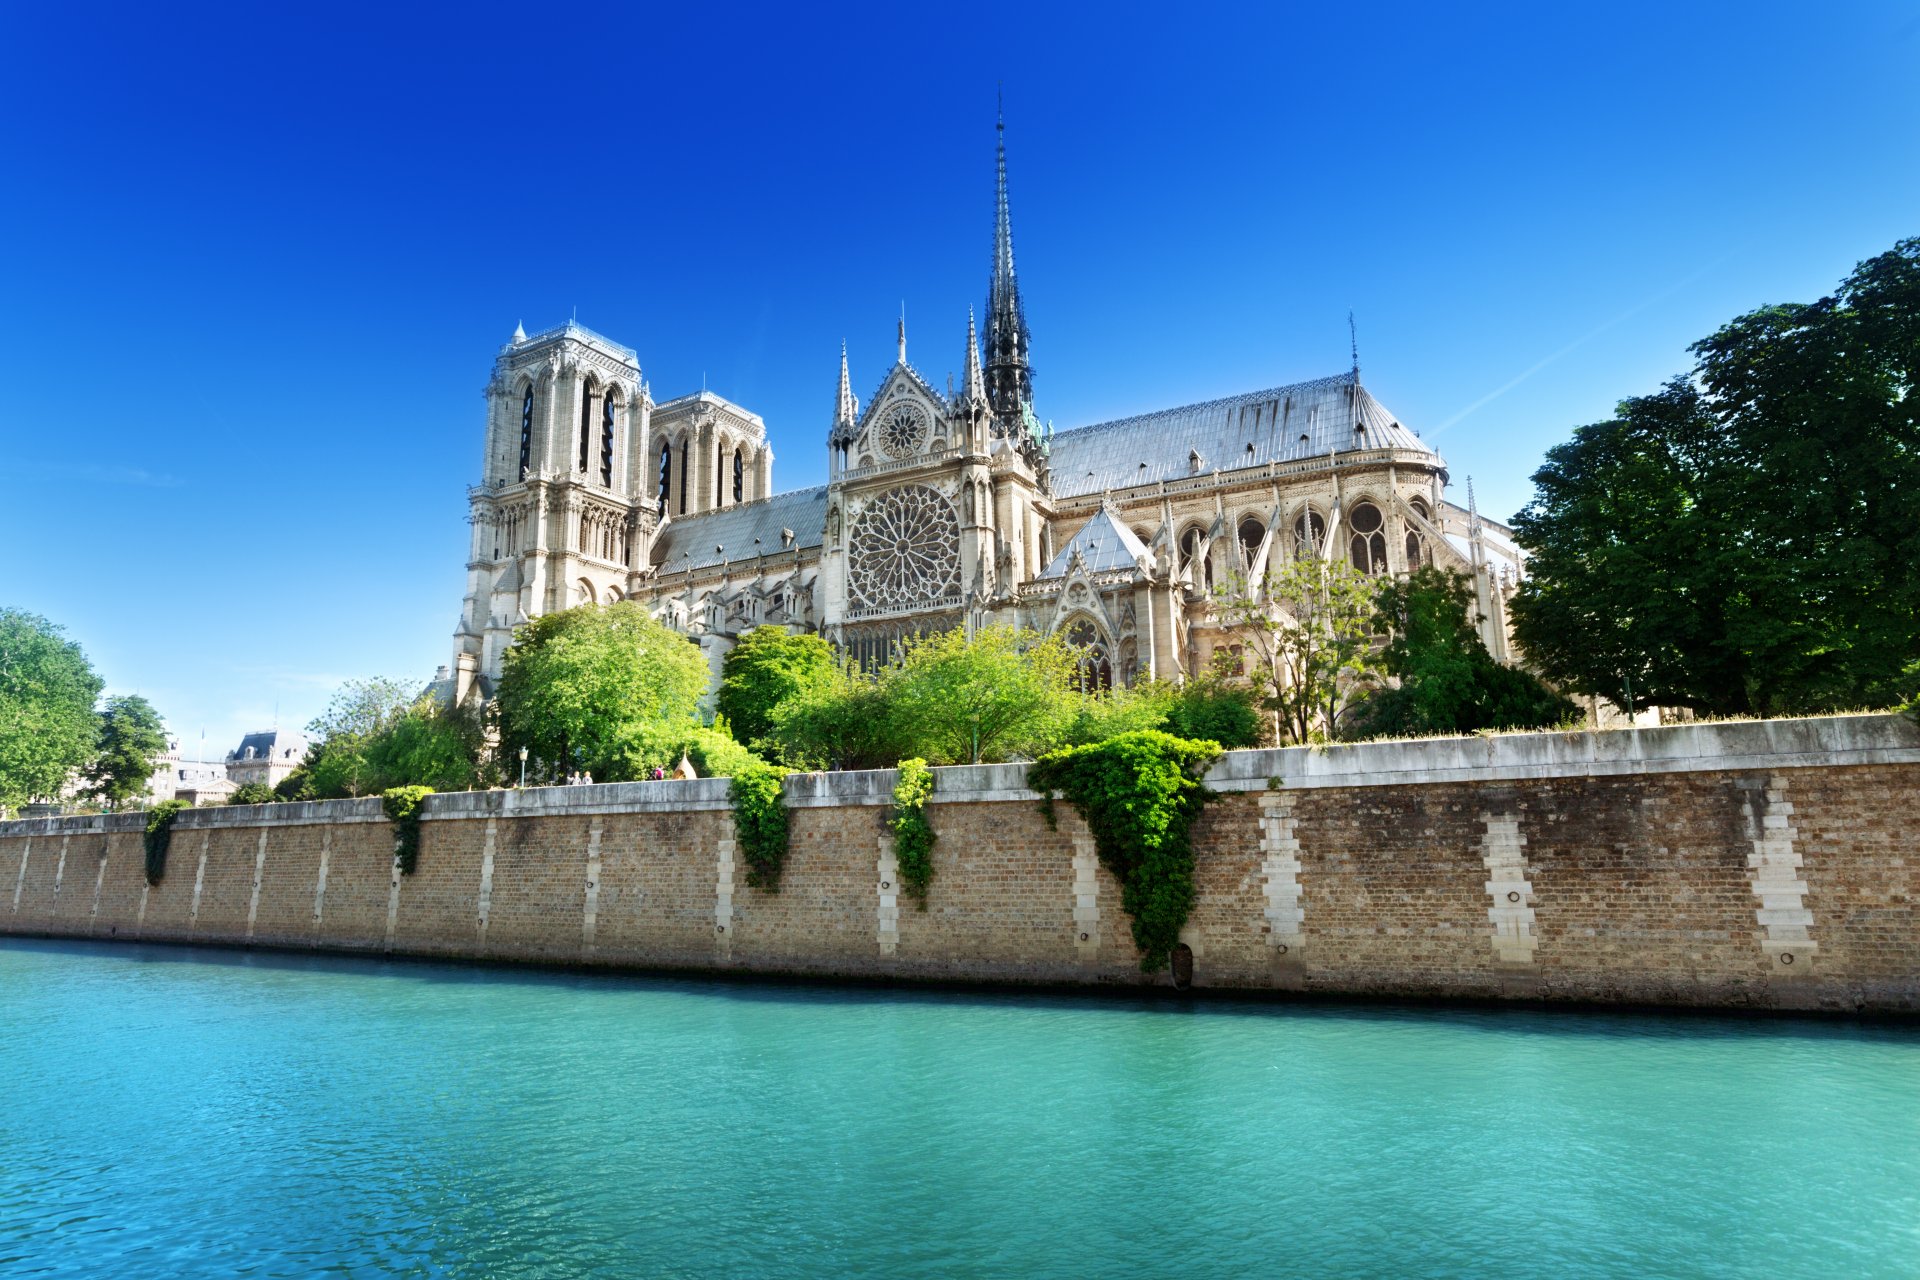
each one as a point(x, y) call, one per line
point(941, 510)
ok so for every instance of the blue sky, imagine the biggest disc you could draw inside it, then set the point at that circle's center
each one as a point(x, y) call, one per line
point(257, 262)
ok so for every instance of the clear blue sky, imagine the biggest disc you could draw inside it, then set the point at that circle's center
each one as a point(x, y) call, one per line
point(257, 261)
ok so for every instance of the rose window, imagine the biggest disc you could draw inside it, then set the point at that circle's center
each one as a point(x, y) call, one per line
point(902, 430)
point(905, 548)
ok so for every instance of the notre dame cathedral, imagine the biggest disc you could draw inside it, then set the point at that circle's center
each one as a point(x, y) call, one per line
point(941, 510)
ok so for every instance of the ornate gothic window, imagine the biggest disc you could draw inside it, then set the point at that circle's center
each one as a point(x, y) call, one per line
point(1368, 544)
point(739, 476)
point(1252, 534)
point(1309, 534)
point(526, 433)
point(904, 549)
point(606, 443)
point(666, 472)
point(1416, 545)
point(1190, 558)
point(1093, 670)
point(686, 451)
point(902, 430)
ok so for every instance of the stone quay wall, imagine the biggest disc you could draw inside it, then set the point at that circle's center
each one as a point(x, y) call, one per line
point(1764, 865)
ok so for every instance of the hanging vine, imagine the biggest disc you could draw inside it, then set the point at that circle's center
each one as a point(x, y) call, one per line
point(912, 834)
point(159, 836)
point(403, 806)
point(1139, 793)
point(759, 800)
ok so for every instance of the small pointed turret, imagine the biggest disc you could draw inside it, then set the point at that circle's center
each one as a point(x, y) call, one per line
point(973, 390)
point(519, 331)
point(846, 410)
point(903, 333)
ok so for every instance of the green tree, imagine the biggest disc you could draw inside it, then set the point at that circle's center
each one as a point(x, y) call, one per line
point(1448, 682)
point(427, 745)
point(253, 793)
point(338, 762)
point(1748, 539)
point(48, 726)
point(847, 721)
point(1309, 625)
point(580, 687)
point(1002, 693)
point(132, 741)
point(1217, 705)
point(765, 669)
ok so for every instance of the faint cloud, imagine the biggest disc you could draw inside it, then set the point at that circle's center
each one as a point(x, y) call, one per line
point(138, 476)
point(1581, 341)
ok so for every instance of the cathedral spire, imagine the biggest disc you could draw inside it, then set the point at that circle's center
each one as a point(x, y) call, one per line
point(1009, 377)
point(903, 333)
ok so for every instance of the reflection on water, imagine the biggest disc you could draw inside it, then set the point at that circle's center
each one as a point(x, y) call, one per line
point(188, 1113)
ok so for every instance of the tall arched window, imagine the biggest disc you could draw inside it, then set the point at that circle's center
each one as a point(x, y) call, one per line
point(586, 422)
point(739, 476)
point(1252, 534)
point(1368, 544)
point(1309, 534)
point(606, 443)
point(1093, 670)
point(1191, 559)
point(666, 472)
point(526, 433)
point(1417, 545)
point(686, 452)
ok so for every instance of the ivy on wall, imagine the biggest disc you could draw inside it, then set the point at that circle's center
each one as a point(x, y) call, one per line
point(403, 806)
point(912, 834)
point(159, 836)
point(760, 821)
point(1139, 793)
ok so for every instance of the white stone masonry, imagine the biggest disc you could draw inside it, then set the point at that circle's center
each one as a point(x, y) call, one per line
point(1280, 869)
point(1504, 851)
point(1774, 871)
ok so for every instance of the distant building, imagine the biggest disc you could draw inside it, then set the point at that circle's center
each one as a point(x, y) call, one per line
point(198, 782)
point(266, 757)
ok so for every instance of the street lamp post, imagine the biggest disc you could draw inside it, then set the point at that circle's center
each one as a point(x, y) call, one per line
point(523, 768)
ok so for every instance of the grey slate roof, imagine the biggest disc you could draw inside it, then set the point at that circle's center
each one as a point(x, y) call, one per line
point(280, 745)
point(693, 542)
point(1284, 424)
point(1103, 543)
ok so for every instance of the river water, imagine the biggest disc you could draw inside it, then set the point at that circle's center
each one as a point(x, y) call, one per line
point(174, 1112)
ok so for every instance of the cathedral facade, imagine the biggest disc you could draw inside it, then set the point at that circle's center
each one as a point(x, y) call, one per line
point(941, 510)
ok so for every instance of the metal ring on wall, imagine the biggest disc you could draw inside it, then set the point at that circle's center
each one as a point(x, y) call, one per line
point(1513, 895)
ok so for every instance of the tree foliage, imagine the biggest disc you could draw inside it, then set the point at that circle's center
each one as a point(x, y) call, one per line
point(253, 793)
point(402, 807)
point(765, 669)
point(1447, 681)
point(48, 727)
point(1002, 693)
point(1747, 539)
point(1139, 793)
point(580, 688)
point(132, 741)
point(377, 734)
point(845, 721)
point(1309, 624)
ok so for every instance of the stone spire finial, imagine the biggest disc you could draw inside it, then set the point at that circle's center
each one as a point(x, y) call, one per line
point(973, 388)
point(845, 410)
point(519, 331)
point(903, 333)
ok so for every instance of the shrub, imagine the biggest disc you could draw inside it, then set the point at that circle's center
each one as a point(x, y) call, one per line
point(912, 834)
point(760, 821)
point(252, 793)
point(1139, 793)
point(403, 806)
point(847, 721)
point(159, 836)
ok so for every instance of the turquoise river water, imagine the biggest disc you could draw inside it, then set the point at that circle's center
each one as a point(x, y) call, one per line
point(172, 1112)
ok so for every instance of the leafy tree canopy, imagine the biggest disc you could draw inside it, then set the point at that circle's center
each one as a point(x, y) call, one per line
point(1003, 693)
point(1747, 539)
point(580, 687)
point(132, 741)
point(1448, 682)
point(48, 727)
point(253, 793)
point(766, 668)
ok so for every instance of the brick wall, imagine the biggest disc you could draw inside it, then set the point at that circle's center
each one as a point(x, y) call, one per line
point(1766, 865)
